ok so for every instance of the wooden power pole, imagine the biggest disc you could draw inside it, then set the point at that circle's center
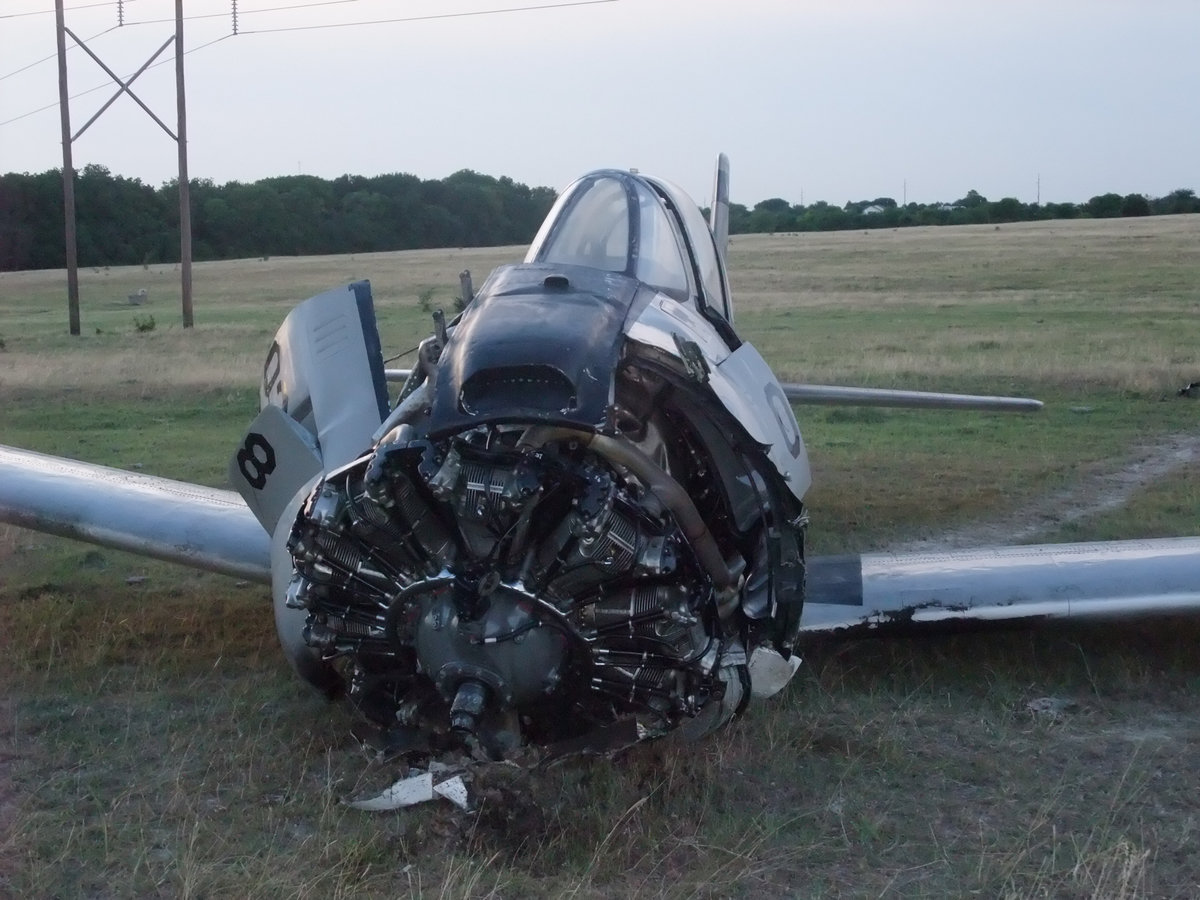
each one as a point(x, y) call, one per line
point(185, 193)
point(179, 136)
point(64, 108)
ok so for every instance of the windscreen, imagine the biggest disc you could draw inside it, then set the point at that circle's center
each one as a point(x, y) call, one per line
point(593, 230)
point(616, 223)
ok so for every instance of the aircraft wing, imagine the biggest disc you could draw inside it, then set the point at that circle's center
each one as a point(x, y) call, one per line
point(212, 529)
point(882, 592)
point(839, 395)
point(185, 523)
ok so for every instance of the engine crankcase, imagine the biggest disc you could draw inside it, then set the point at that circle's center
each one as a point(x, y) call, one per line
point(505, 645)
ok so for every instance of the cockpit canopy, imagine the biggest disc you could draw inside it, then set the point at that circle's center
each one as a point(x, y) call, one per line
point(642, 227)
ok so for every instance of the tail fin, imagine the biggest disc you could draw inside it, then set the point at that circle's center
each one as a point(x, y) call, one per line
point(718, 213)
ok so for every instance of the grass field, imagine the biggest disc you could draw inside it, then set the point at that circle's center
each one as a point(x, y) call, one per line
point(155, 744)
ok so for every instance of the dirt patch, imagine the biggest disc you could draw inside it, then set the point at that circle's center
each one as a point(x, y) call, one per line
point(1096, 493)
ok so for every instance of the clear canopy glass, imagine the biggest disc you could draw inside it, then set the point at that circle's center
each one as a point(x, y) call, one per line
point(615, 222)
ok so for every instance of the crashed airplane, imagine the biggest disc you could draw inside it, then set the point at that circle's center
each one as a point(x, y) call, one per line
point(580, 521)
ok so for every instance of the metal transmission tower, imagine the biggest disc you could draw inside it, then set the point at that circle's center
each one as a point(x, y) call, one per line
point(179, 136)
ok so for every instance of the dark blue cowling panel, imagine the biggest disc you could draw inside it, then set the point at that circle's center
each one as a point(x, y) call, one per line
point(539, 343)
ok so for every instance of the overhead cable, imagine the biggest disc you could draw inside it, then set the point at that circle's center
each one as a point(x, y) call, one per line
point(42, 12)
point(456, 15)
point(98, 87)
point(38, 62)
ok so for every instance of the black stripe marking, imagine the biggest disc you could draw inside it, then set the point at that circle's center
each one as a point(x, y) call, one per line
point(835, 580)
point(370, 332)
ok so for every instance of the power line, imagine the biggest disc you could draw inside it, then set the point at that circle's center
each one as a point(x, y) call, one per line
point(99, 87)
point(300, 6)
point(220, 15)
point(458, 15)
point(42, 12)
point(37, 62)
point(294, 6)
point(248, 12)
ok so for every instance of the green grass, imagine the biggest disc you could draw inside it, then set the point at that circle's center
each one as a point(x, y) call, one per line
point(155, 743)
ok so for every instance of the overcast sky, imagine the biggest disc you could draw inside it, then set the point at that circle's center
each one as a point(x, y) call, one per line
point(812, 100)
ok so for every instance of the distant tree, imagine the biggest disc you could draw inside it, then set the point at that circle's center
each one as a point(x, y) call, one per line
point(972, 200)
point(1135, 205)
point(102, 199)
point(931, 214)
point(364, 222)
point(1062, 210)
point(31, 221)
point(1180, 200)
point(976, 214)
point(774, 205)
point(739, 219)
point(820, 216)
point(1009, 209)
point(771, 216)
point(1104, 206)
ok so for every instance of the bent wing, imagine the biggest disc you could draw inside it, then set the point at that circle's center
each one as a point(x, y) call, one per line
point(883, 592)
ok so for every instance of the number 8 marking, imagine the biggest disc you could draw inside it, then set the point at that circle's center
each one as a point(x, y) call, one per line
point(256, 460)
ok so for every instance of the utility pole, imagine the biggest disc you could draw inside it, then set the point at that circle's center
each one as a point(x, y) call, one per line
point(185, 192)
point(68, 172)
point(124, 85)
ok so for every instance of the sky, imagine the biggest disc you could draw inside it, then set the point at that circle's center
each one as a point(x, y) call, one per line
point(918, 100)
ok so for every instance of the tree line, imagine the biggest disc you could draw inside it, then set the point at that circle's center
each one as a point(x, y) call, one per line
point(122, 221)
point(777, 215)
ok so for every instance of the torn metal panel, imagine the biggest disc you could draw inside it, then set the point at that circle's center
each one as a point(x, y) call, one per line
point(455, 790)
point(904, 591)
point(405, 792)
point(770, 672)
point(419, 788)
